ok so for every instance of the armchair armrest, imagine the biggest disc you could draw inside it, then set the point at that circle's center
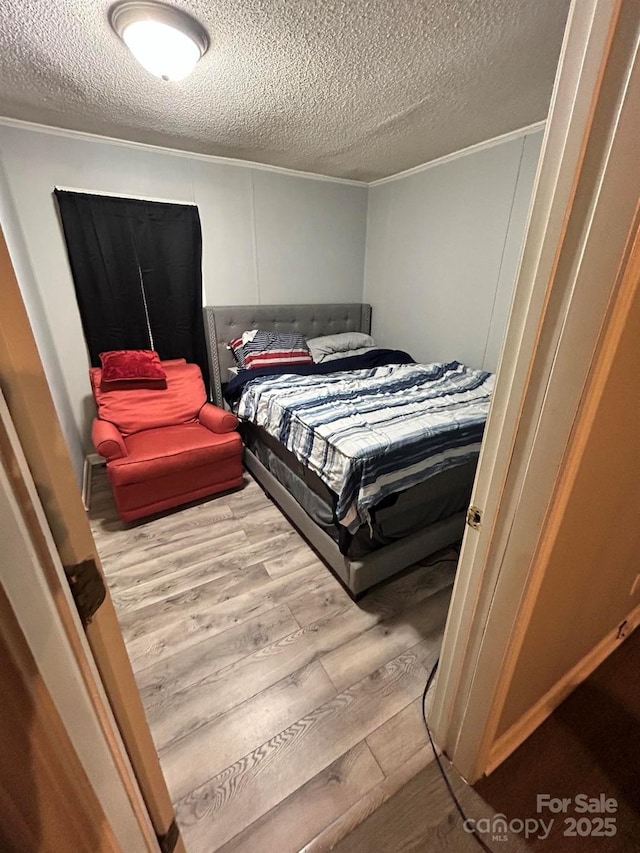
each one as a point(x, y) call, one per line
point(107, 440)
point(216, 419)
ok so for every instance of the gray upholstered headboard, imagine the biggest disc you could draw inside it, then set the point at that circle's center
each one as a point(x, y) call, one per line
point(224, 323)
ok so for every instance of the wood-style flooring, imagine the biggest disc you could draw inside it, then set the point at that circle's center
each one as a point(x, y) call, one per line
point(589, 745)
point(282, 711)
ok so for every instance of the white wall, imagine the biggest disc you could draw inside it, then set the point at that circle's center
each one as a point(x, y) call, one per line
point(41, 331)
point(442, 251)
point(267, 237)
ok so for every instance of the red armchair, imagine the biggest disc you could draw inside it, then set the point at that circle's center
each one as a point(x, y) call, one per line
point(164, 446)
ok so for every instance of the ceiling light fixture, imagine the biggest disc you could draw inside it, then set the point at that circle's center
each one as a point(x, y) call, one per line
point(166, 41)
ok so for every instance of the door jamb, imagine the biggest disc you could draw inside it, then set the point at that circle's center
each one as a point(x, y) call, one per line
point(458, 723)
point(29, 594)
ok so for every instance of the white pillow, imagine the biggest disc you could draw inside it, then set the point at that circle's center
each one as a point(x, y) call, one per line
point(343, 344)
point(332, 356)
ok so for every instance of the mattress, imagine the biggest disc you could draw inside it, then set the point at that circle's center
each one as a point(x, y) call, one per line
point(371, 432)
point(393, 518)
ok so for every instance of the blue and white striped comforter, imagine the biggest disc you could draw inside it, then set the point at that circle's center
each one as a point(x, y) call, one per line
point(370, 433)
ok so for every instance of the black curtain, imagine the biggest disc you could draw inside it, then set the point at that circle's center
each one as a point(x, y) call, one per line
point(137, 271)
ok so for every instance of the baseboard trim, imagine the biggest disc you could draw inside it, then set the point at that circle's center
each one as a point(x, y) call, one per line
point(529, 722)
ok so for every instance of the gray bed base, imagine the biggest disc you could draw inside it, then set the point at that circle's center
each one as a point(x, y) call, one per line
point(222, 324)
point(361, 574)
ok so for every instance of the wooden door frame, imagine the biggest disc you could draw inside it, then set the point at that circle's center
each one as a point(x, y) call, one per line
point(47, 801)
point(560, 303)
point(58, 526)
point(124, 824)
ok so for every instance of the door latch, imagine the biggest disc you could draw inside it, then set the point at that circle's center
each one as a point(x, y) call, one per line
point(87, 588)
point(474, 517)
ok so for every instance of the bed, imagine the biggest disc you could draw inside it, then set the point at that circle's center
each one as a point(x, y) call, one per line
point(402, 527)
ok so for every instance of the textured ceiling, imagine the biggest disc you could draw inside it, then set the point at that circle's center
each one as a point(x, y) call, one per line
point(351, 88)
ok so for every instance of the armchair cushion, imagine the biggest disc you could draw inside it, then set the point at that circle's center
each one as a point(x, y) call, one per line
point(216, 419)
point(149, 408)
point(107, 440)
point(170, 451)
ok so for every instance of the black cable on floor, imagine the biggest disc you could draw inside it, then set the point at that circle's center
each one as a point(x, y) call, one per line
point(474, 832)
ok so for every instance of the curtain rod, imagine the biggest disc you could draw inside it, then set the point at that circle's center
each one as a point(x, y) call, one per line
point(123, 195)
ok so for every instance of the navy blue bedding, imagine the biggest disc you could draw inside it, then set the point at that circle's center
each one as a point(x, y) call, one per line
point(373, 358)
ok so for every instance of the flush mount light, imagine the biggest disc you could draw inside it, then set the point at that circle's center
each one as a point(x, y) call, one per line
point(166, 41)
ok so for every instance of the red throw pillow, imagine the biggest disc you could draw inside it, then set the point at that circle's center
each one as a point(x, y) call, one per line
point(132, 365)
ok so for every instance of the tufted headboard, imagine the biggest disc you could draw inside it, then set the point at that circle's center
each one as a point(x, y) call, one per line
point(229, 321)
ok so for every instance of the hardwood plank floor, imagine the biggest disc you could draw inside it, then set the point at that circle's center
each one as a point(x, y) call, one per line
point(352, 660)
point(397, 739)
point(159, 681)
point(215, 746)
point(590, 745)
point(422, 819)
point(304, 813)
point(283, 712)
point(260, 780)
